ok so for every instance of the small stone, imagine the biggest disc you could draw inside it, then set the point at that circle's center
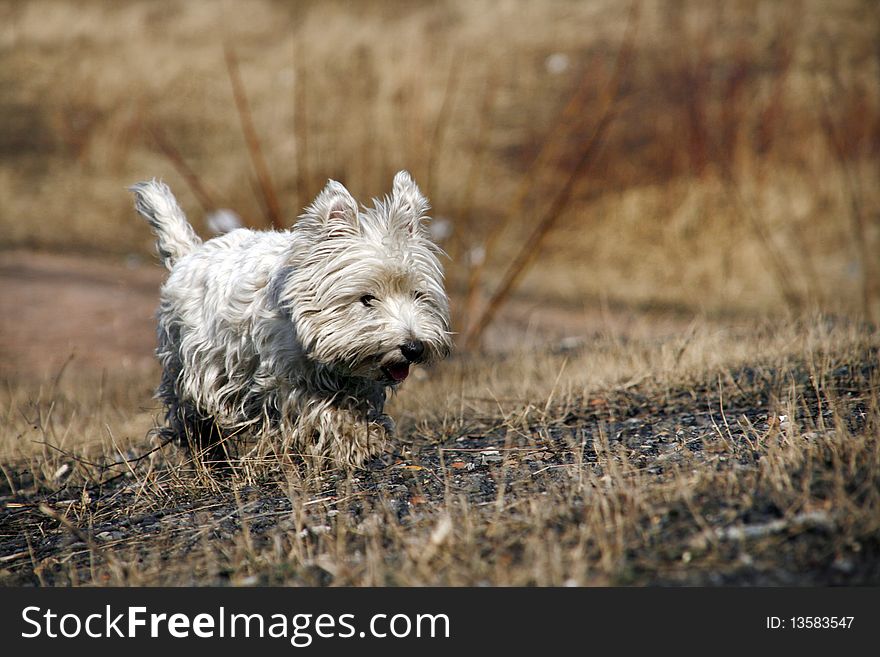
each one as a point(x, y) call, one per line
point(61, 471)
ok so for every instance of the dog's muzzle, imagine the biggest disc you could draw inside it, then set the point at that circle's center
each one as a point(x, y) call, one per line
point(413, 351)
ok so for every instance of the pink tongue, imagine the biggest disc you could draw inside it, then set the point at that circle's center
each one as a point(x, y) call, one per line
point(399, 372)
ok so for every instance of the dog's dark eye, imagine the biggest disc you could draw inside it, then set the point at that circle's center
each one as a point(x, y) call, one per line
point(368, 300)
point(418, 295)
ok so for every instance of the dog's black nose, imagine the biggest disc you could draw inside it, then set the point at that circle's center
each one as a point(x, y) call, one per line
point(412, 350)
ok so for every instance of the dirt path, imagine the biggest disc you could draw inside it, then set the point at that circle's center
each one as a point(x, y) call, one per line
point(53, 307)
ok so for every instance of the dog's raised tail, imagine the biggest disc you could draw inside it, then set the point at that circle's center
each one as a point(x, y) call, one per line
point(175, 236)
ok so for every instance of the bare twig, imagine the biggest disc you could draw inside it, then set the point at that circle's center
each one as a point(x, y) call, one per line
point(103, 467)
point(78, 534)
point(821, 520)
point(205, 199)
point(551, 150)
point(531, 247)
point(57, 380)
point(253, 143)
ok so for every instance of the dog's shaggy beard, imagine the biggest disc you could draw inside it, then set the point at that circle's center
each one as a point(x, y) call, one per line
point(298, 335)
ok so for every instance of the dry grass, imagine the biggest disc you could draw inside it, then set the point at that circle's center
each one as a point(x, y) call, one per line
point(741, 457)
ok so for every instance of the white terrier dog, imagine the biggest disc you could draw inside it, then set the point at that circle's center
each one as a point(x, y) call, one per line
point(297, 334)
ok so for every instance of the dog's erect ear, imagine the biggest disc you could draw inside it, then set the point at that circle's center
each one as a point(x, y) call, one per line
point(333, 212)
point(407, 202)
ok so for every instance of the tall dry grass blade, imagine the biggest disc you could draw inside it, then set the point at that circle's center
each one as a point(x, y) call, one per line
point(250, 135)
point(301, 135)
point(443, 116)
point(206, 199)
point(467, 203)
point(697, 76)
point(778, 264)
point(868, 260)
point(481, 141)
point(531, 246)
point(773, 112)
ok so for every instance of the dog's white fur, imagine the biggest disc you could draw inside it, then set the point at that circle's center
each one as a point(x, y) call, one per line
point(297, 334)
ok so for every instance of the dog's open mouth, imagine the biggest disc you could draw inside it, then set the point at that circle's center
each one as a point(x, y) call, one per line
point(396, 372)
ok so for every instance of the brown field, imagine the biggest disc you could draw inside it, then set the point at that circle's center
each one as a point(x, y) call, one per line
point(666, 215)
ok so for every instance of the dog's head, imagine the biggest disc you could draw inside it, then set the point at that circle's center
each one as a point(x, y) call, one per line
point(365, 288)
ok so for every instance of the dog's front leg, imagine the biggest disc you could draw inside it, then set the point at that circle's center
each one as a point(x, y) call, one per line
point(344, 437)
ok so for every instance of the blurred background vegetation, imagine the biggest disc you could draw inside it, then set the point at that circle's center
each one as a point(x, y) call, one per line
point(714, 158)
